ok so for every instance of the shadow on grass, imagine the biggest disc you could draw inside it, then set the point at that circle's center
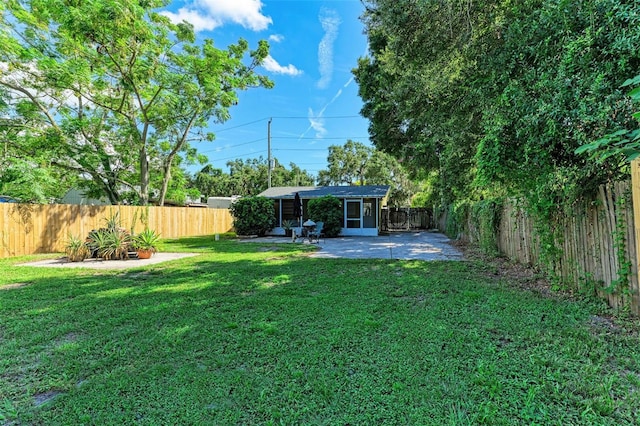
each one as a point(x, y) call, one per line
point(228, 244)
point(241, 335)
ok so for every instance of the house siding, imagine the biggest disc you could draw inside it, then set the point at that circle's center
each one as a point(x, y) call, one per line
point(362, 200)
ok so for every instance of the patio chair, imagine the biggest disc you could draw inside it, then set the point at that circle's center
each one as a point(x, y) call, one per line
point(317, 233)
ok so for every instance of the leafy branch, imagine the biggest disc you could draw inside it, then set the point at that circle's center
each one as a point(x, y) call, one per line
point(623, 142)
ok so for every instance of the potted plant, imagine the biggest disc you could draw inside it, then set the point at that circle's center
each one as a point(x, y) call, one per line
point(288, 227)
point(145, 243)
point(109, 243)
point(76, 249)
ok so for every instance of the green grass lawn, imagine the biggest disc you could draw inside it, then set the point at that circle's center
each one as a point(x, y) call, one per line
point(250, 334)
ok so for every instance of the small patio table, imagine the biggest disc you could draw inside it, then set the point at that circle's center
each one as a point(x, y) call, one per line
point(307, 227)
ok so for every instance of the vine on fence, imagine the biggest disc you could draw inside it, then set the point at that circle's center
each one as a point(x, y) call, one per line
point(478, 221)
point(456, 217)
point(487, 215)
point(549, 207)
point(620, 286)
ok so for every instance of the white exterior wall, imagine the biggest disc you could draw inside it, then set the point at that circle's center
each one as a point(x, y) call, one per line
point(359, 232)
point(345, 232)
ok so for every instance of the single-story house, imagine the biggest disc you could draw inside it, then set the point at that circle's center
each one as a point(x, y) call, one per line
point(77, 196)
point(361, 206)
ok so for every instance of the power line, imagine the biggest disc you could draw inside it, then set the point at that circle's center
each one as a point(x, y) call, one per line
point(233, 146)
point(319, 139)
point(310, 164)
point(240, 125)
point(240, 155)
point(300, 149)
point(306, 117)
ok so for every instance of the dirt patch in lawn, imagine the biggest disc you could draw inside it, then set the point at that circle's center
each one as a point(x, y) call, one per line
point(519, 275)
point(43, 398)
point(13, 286)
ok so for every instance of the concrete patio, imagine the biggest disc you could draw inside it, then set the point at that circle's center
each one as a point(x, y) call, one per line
point(62, 262)
point(418, 245)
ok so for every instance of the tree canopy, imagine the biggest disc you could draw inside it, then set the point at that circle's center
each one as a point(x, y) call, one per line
point(495, 96)
point(248, 178)
point(625, 142)
point(112, 91)
point(354, 163)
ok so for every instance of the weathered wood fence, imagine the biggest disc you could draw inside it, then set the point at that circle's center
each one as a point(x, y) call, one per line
point(405, 218)
point(35, 228)
point(596, 244)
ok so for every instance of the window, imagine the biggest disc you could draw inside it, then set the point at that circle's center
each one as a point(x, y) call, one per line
point(367, 209)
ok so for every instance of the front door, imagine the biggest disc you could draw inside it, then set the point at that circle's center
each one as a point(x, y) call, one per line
point(354, 214)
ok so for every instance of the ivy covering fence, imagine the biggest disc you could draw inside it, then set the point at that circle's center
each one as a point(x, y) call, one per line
point(590, 247)
point(533, 100)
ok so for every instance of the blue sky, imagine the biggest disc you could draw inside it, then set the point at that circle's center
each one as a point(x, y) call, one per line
point(314, 104)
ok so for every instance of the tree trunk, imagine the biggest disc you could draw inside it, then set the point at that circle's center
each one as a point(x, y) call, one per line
point(169, 161)
point(144, 176)
point(165, 183)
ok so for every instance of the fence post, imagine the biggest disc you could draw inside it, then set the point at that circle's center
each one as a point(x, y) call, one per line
point(635, 191)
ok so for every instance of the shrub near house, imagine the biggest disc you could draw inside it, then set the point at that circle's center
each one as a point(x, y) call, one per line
point(253, 215)
point(327, 209)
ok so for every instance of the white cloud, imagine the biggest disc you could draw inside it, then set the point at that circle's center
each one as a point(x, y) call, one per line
point(209, 14)
point(317, 123)
point(330, 21)
point(200, 21)
point(273, 66)
point(276, 38)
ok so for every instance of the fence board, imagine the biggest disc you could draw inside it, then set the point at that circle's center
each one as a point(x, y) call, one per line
point(36, 228)
point(588, 240)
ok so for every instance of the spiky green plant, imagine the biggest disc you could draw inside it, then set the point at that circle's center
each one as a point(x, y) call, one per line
point(76, 249)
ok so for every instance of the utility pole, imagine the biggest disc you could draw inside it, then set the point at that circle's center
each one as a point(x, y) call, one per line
point(269, 154)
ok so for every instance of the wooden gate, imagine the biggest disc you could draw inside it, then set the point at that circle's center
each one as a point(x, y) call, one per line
point(405, 218)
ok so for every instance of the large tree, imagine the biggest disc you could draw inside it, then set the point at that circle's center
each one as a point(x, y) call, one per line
point(347, 164)
point(249, 177)
point(413, 84)
point(496, 95)
point(355, 163)
point(116, 89)
point(212, 182)
point(25, 170)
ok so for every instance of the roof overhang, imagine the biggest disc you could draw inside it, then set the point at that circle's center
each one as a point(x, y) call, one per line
point(309, 192)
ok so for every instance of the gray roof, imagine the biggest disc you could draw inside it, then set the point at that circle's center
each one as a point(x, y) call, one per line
point(306, 192)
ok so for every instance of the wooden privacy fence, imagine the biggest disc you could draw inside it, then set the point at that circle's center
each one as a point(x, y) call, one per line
point(597, 245)
point(404, 218)
point(37, 228)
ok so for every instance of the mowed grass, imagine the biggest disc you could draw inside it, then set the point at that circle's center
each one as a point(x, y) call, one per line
point(247, 333)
